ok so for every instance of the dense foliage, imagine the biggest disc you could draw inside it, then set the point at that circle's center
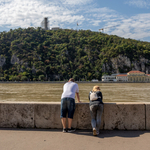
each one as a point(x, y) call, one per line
point(59, 55)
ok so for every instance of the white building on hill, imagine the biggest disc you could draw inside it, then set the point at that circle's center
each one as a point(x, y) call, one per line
point(107, 78)
point(132, 76)
point(122, 77)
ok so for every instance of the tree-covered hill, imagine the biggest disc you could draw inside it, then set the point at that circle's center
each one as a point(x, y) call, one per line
point(37, 54)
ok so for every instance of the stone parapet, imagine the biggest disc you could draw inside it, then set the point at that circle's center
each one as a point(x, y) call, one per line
point(147, 120)
point(121, 116)
point(124, 116)
point(47, 115)
point(17, 115)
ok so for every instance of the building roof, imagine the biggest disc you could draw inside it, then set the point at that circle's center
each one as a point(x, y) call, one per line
point(148, 74)
point(135, 71)
point(121, 75)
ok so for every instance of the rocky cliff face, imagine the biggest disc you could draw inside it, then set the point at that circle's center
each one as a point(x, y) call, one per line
point(14, 59)
point(120, 64)
point(124, 64)
point(2, 61)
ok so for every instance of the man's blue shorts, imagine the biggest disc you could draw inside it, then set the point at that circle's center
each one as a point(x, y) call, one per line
point(67, 106)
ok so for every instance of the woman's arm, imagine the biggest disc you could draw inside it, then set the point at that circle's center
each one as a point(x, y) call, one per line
point(101, 96)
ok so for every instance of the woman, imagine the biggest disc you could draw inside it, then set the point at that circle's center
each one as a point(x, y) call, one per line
point(96, 108)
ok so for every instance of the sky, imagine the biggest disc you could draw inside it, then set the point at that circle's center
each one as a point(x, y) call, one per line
point(124, 18)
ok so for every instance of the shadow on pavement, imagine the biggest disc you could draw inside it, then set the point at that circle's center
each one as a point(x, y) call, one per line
point(103, 133)
point(113, 133)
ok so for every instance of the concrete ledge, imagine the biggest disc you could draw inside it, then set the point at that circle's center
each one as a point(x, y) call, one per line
point(124, 116)
point(47, 116)
point(84, 117)
point(147, 105)
point(121, 116)
point(17, 115)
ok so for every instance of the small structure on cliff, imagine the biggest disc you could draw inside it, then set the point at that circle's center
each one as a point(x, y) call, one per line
point(44, 24)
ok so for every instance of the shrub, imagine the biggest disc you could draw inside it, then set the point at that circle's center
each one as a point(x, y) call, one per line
point(2, 79)
point(24, 78)
point(34, 79)
point(41, 78)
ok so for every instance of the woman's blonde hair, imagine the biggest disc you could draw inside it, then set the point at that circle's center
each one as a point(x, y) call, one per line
point(96, 88)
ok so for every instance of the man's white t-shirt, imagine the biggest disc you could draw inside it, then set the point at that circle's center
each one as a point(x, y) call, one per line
point(69, 90)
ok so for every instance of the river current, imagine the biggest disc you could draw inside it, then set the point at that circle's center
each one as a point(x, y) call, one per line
point(51, 92)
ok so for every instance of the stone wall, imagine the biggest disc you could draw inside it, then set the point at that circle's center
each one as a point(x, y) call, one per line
point(121, 116)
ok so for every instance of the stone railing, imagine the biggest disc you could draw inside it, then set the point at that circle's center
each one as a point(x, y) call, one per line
point(121, 116)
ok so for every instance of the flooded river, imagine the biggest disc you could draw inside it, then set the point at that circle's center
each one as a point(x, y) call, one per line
point(51, 92)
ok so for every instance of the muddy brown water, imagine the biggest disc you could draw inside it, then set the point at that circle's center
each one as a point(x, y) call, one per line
point(51, 92)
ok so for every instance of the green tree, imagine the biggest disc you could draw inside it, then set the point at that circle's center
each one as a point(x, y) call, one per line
point(41, 77)
point(24, 78)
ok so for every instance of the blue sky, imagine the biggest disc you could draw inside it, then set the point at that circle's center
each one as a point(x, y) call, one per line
point(124, 18)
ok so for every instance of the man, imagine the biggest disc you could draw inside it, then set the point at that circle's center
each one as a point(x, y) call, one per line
point(68, 103)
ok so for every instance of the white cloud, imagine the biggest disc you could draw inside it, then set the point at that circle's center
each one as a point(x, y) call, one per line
point(102, 15)
point(66, 13)
point(100, 10)
point(23, 13)
point(139, 3)
point(136, 27)
point(76, 2)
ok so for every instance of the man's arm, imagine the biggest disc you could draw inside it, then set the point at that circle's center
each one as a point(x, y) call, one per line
point(78, 98)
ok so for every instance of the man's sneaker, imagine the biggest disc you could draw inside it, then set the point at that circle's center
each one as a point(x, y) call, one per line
point(94, 132)
point(97, 132)
point(64, 130)
point(71, 129)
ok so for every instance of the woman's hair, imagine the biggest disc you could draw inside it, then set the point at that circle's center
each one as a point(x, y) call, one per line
point(96, 88)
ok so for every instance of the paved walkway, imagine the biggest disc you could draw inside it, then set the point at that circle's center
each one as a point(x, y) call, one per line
point(50, 139)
